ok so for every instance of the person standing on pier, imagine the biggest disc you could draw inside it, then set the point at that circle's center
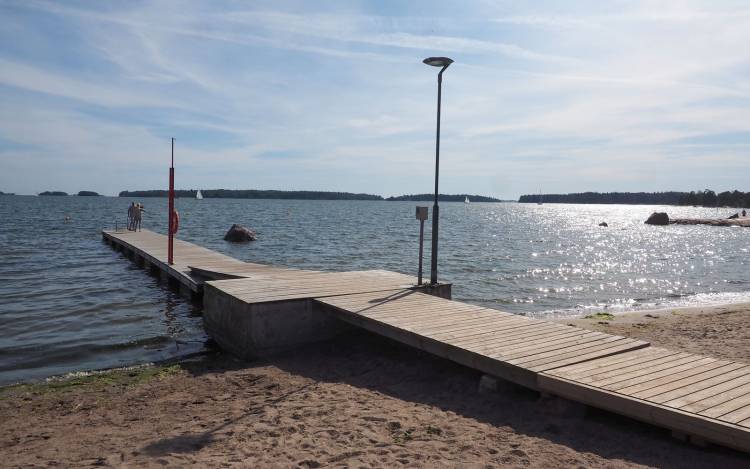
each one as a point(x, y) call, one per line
point(138, 215)
point(131, 216)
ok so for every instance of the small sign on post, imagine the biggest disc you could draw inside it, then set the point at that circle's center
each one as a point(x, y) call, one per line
point(421, 216)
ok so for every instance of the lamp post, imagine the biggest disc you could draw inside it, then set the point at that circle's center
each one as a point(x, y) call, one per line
point(442, 62)
point(170, 227)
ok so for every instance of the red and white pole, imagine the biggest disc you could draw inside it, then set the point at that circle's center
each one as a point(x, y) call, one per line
point(170, 249)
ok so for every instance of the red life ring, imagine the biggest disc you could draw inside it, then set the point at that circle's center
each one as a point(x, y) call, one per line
point(175, 221)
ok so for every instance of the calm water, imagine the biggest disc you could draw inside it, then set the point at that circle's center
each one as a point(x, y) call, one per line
point(68, 302)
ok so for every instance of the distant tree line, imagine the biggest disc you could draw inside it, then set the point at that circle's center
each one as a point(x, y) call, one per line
point(87, 194)
point(53, 193)
point(706, 198)
point(254, 194)
point(443, 198)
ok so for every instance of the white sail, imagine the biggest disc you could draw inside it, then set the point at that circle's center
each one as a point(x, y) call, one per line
point(466, 200)
point(198, 195)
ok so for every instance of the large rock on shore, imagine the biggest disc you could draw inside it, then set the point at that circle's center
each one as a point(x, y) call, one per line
point(658, 218)
point(239, 234)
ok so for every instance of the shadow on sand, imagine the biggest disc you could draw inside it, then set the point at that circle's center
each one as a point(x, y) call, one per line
point(363, 360)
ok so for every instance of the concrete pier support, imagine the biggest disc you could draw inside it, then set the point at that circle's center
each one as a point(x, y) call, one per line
point(253, 330)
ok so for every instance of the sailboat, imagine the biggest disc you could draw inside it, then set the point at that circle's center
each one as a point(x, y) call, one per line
point(539, 200)
point(466, 200)
point(198, 195)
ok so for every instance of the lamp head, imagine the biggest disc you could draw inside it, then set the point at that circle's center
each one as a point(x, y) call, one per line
point(438, 61)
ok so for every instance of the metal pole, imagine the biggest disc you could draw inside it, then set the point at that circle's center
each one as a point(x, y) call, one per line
point(170, 249)
point(421, 243)
point(435, 208)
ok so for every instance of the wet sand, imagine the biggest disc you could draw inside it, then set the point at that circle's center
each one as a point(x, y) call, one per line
point(357, 401)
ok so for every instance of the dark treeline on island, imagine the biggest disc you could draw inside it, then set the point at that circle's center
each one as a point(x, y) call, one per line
point(87, 194)
point(443, 198)
point(706, 198)
point(300, 195)
point(53, 193)
point(254, 194)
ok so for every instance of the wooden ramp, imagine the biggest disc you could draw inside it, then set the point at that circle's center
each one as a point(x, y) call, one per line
point(502, 344)
point(687, 393)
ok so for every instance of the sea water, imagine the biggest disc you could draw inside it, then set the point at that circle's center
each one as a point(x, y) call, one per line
point(69, 302)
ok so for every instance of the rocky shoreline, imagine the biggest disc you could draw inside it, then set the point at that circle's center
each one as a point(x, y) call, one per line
point(662, 219)
point(711, 221)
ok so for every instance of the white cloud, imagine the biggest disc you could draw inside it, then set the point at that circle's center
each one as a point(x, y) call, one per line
point(570, 94)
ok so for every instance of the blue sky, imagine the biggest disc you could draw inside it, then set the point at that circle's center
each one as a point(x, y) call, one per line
point(552, 96)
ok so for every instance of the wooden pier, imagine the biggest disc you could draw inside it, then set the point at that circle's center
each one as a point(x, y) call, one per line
point(253, 309)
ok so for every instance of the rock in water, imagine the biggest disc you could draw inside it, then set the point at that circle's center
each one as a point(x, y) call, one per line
point(658, 218)
point(604, 223)
point(239, 234)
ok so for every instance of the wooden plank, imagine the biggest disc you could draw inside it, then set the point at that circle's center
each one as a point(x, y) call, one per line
point(577, 341)
point(717, 411)
point(705, 388)
point(630, 369)
point(616, 348)
point(503, 334)
point(534, 333)
point(556, 354)
point(673, 381)
point(738, 415)
point(722, 397)
point(644, 372)
point(724, 433)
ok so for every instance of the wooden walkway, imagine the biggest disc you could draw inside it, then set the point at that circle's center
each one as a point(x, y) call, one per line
point(501, 344)
point(692, 394)
point(304, 285)
point(706, 398)
point(193, 264)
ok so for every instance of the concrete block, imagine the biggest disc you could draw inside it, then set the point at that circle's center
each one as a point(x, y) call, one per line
point(256, 330)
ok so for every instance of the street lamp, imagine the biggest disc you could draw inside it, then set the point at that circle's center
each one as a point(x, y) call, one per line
point(442, 62)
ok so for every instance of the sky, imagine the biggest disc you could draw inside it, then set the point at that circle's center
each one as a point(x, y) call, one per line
point(550, 96)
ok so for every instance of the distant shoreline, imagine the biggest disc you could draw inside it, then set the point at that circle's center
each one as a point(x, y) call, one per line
point(303, 195)
point(706, 198)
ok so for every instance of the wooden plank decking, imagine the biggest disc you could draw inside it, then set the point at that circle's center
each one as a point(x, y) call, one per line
point(688, 393)
point(153, 248)
point(502, 344)
point(304, 285)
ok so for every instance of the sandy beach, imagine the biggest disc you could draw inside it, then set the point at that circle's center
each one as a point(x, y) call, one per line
point(357, 401)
